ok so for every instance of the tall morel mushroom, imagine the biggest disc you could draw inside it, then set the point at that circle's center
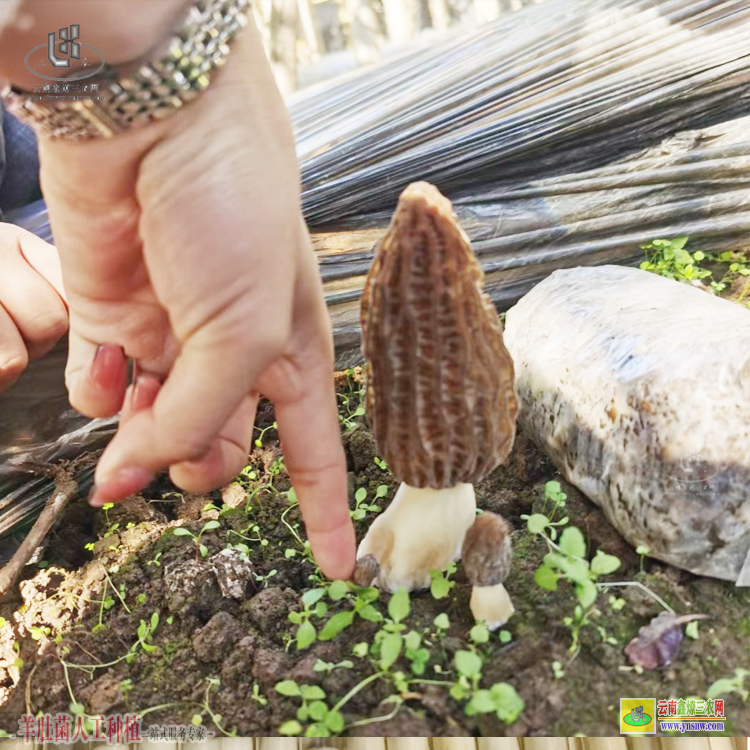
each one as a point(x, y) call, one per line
point(486, 556)
point(439, 387)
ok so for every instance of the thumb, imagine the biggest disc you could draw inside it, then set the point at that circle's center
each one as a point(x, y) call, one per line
point(194, 404)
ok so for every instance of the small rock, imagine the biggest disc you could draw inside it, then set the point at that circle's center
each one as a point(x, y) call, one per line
point(191, 587)
point(269, 609)
point(238, 665)
point(236, 577)
point(215, 639)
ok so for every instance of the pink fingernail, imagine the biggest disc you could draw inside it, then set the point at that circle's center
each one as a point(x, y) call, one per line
point(108, 367)
point(120, 485)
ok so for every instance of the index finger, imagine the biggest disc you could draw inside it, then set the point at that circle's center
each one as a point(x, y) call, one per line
point(314, 457)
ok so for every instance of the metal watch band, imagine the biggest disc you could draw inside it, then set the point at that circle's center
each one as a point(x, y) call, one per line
point(138, 93)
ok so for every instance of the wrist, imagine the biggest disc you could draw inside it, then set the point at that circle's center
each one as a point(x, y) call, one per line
point(120, 31)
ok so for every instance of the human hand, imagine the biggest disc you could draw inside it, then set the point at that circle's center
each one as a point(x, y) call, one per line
point(183, 244)
point(33, 315)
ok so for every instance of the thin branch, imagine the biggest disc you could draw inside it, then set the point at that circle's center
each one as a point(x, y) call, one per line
point(65, 489)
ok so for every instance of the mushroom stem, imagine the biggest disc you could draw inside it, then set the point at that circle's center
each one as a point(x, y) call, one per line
point(421, 530)
point(491, 604)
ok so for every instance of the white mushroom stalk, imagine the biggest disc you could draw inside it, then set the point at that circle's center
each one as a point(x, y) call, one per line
point(439, 520)
point(439, 389)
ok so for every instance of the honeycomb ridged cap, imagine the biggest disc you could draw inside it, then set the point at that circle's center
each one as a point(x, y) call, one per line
point(440, 381)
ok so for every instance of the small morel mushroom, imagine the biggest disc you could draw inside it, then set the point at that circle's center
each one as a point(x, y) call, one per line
point(439, 387)
point(486, 556)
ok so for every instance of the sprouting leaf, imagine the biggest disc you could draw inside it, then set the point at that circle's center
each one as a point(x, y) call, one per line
point(310, 597)
point(336, 624)
point(603, 564)
point(440, 585)
point(537, 523)
point(481, 702)
point(382, 490)
point(572, 542)
point(658, 642)
point(479, 633)
point(360, 649)
point(312, 692)
point(369, 613)
point(586, 593)
point(335, 722)
point(209, 525)
point(545, 578)
point(509, 703)
point(287, 687)
point(468, 663)
point(182, 531)
point(390, 648)
point(290, 729)
point(505, 636)
point(442, 622)
point(305, 635)
point(337, 590)
point(399, 606)
point(360, 494)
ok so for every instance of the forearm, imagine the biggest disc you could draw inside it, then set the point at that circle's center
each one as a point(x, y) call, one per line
point(122, 30)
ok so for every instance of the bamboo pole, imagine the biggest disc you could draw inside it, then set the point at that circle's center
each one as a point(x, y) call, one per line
point(685, 743)
point(498, 743)
point(366, 743)
point(408, 743)
point(545, 743)
point(454, 743)
point(606, 743)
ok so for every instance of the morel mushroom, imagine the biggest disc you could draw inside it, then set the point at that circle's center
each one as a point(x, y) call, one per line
point(439, 387)
point(486, 556)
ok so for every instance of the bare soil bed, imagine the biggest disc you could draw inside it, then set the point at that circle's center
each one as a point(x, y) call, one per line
point(126, 616)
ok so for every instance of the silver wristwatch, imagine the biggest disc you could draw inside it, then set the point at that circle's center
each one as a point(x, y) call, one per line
point(137, 93)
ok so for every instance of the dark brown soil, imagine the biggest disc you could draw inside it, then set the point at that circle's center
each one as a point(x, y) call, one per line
point(227, 653)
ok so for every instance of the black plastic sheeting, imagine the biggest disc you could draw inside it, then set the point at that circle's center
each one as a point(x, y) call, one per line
point(566, 134)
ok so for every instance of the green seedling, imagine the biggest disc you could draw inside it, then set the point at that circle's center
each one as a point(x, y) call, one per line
point(440, 581)
point(728, 685)
point(642, 550)
point(567, 560)
point(501, 699)
point(200, 547)
point(669, 258)
point(557, 670)
point(314, 712)
point(266, 578)
point(382, 465)
point(257, 696)
point(361, 507)
point(352, 402)
point(328, 666)
point(155, 560)
point(259, 440)
point(553, 494)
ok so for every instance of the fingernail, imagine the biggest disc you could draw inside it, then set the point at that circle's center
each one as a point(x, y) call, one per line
point(145, 389)
point(107, 369)
point(121, 484)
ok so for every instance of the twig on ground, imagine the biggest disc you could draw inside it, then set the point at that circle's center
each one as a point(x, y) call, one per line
point(65, 489)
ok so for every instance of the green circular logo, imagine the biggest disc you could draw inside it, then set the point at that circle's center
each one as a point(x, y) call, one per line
point(641, 721)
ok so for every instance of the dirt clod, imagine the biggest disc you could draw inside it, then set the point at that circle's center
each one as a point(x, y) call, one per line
point(215, 639)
